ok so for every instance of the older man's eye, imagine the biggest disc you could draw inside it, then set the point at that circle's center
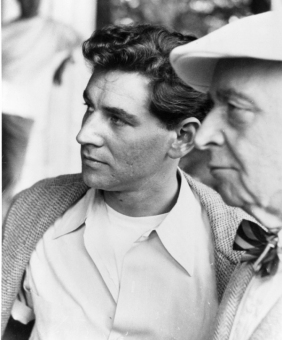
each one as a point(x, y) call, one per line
point(239, 116)
point(232, 107)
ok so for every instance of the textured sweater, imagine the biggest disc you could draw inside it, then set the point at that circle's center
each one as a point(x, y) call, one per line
point(37, 208)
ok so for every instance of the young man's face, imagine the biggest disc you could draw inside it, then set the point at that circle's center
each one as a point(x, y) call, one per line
point(123, 146)
point(243, 131)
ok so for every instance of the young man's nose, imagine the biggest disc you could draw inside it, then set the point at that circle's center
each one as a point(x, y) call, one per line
point(210, 132)
point(91, 131)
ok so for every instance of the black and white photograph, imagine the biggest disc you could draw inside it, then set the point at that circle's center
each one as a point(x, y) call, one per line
point(141, 170)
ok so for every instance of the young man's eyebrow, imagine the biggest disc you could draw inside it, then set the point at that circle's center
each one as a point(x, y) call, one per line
point(121, 114)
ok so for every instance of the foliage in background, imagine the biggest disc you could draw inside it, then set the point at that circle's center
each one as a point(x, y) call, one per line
point(187, 16)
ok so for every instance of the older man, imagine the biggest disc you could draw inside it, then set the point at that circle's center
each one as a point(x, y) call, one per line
point(240, 66)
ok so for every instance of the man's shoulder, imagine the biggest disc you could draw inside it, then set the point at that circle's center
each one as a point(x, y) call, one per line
point(224, 220)
point(57, 189)
point(213, 202)
point(45, 201)
point(54, 185)
point(52, 195)
point(62, 180)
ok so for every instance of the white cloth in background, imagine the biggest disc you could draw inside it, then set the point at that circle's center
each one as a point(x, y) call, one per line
point(87, 283)
point(32, 51)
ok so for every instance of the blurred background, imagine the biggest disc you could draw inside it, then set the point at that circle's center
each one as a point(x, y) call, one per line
point(44, 74)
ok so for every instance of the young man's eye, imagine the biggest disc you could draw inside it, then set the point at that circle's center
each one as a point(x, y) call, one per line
point(117, 121)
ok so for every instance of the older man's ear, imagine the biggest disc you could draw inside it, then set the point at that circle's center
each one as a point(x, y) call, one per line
point(185, 136)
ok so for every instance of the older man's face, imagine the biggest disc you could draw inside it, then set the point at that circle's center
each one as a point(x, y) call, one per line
point(243, 132)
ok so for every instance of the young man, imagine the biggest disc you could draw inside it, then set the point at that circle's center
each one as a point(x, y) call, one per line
point(241, 67)
point(132, 248)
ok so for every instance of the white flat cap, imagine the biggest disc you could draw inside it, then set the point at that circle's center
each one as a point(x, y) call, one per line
point(257, 36)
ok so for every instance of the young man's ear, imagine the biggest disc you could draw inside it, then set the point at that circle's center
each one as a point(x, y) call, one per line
point(184, 142)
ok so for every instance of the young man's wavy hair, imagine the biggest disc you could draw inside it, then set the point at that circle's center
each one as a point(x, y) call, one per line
point(145, 49)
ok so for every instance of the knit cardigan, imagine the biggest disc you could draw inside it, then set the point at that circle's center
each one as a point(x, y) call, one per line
point(37, 208)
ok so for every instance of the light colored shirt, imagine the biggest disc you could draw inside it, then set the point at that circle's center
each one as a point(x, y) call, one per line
point(260, 296)
point(161, 285)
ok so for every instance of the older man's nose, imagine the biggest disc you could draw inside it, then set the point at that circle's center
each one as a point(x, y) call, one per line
point(91, 131)
point(210, 132)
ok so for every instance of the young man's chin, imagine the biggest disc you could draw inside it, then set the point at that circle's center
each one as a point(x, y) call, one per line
point(91, 180)
point(98, 181)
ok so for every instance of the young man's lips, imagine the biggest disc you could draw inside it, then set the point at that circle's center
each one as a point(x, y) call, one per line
point(91, 159)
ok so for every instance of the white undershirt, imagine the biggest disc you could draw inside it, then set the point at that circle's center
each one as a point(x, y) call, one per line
point(125, 230)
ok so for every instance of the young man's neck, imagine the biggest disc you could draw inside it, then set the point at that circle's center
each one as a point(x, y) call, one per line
point(151, 200)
